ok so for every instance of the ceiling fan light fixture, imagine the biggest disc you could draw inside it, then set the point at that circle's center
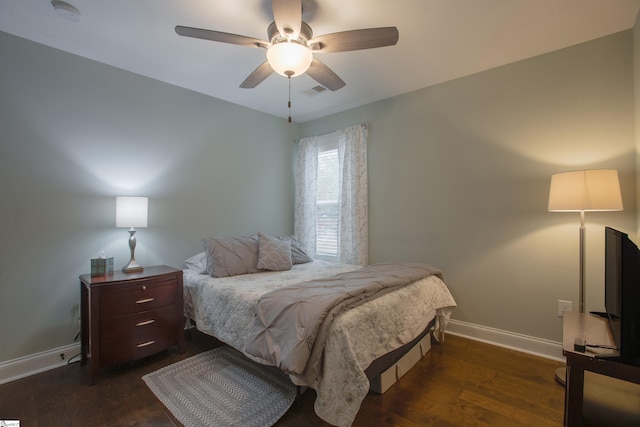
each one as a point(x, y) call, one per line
point(289, 58)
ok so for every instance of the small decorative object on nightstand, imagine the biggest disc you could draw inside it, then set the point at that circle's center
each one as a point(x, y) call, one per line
point(101, 266)
point(128, 316)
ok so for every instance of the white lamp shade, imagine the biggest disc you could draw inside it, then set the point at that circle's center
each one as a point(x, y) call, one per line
point(585, 190)
point(289, 56)
point(131, 211)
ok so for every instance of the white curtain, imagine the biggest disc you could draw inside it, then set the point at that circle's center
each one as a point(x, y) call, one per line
point(353, 240)
point(353, 237)
point(306, 181)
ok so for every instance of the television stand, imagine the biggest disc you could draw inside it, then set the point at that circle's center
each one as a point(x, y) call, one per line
point(596, 331)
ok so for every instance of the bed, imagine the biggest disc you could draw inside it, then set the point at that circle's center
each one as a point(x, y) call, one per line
point(225, 307)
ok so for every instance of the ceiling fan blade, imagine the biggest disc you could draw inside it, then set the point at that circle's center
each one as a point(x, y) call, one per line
point(346, 41)
point(257, 76)
point(324, 75)
point(288, 17)
point(218, 36)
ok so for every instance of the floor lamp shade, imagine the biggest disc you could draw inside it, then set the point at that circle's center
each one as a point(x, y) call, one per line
point(132, 212)
point(586, 190)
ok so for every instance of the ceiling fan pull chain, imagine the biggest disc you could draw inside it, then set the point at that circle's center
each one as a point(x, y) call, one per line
point(289, 74)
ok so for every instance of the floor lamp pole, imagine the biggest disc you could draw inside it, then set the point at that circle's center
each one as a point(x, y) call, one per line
point(582, 263)
point(561, 373)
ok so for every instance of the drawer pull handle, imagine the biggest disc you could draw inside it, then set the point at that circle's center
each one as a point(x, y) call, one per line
point(145, 322)
point(144, 287)
point(144, 344)
point(142, 301)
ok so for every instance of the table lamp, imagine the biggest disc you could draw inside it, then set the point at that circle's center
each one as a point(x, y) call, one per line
point(131, 212)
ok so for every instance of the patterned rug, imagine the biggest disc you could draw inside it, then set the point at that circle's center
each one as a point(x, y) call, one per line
point(221, 387)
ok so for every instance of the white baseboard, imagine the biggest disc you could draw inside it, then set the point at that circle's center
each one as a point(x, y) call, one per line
point(29, 365)
point(33, 364)
point(518, 342)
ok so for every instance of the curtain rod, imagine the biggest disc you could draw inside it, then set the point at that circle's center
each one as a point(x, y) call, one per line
point(334, 131)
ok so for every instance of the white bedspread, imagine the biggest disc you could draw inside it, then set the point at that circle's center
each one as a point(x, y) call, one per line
point(224, 308)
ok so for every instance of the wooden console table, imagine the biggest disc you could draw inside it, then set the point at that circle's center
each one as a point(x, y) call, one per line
point(596, 332)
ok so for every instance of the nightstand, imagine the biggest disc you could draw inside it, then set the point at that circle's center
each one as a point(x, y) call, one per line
point(128, 316)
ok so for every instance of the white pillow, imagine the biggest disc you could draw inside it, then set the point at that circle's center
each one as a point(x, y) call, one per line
point(197, 263)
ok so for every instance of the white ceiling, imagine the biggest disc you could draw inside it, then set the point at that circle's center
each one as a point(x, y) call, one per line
point(440, 40)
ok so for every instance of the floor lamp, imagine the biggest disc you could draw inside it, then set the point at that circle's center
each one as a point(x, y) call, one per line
point(584, 191)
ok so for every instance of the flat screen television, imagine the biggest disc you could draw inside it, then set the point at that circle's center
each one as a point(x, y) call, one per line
point(622, 293)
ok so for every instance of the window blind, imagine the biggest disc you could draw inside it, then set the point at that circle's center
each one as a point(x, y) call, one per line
point(327, 202)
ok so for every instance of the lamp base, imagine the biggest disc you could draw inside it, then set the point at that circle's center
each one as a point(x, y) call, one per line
point(132, 267)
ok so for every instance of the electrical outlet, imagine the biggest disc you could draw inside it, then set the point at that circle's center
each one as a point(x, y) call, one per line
point(564, 306)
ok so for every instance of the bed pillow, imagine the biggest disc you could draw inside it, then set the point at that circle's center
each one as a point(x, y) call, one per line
point(298, 255)
point(274, 254)
point(197, 263)
point(231, 256)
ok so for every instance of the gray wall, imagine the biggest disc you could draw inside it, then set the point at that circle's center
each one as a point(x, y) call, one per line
point(459, 177)
point(74, 134)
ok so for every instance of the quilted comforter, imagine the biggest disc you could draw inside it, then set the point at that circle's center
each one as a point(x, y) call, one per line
point(292, 323)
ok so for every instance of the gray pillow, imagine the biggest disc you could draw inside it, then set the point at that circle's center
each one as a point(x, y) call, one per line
point(273, 254)
point(231, 256)
point(298, 255)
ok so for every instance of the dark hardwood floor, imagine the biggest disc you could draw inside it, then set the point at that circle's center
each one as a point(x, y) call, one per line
point(459, 383)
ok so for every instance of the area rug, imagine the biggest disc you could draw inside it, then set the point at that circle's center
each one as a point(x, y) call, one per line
point(222, 387)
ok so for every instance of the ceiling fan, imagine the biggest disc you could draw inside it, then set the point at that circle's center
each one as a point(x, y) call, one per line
point(291, 45)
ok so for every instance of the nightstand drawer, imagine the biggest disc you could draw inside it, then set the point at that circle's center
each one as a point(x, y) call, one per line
point(131, 326)
point(143, 296)
point(145, 344)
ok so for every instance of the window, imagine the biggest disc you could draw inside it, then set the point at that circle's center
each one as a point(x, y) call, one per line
point(331, 218)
